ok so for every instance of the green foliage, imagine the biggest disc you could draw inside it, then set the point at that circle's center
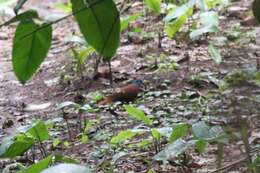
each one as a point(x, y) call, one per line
point(201, 145)
point(39, 166)
point(46, 162)
point(255, 166)
point(29, 51)
point(204, 132)
point(81, 56)
point(156, 134)
point(180, 11)
point(67, 168)
point(215, 54)
point(173, 150)
point(256, 9)
point(100, 25)
point(123, 136)
point(154, 5)
point(242, 78)
point(209, 23)
point(24, 140)
point(179, 131)
point(138, 114)
point(172, 27)
point(39, 131)
point(125, 21)
point(15, 146)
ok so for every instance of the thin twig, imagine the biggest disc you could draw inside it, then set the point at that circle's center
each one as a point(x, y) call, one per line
point(230, 165)
point(40, 142)
point(62, 18)
point(110, 73)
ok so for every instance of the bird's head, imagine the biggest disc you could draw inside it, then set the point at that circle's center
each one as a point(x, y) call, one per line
point(138, 83)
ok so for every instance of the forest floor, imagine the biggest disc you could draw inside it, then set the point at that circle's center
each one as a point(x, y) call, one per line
point(183, 88)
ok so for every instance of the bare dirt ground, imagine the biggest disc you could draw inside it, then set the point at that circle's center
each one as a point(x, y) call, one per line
point(131, 62)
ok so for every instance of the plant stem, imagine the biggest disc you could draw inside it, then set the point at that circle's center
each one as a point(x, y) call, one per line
point(40, 142)
point(110, 73)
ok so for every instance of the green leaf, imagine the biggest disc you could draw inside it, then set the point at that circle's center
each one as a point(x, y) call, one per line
point(179, 131)
point(99, 22)
point(64, 159)
point(202, 131)
point(156, 134)
point(255, 166)
point(256, 9)
point(25, 16)
point(165, 131)
point(201, 145)
point(123, 136)
point(39, 131)
point(13, 147)
point(154, 5)
point(124, 21)
point(203, 5)
point(180, 11)
point(19, 5)
point(30, 47)
point(39, 166)
point(215, 54)
point(84, 139)
point(210, 23)
point(56, 142)
point(151, 171)
point(209, 18)
point(138, 114)
point(67, 168)
point(173, 27)
point(198, 32)
point(173, 150)
point(213, 3)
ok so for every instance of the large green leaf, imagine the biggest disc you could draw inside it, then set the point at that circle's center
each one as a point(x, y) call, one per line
point(207, 29)
point(179, 131)
point(99, 22)
point(67, 168)
point(173, 27)
point(13, 147)
point(209, 23)
point(202, 131)
point(138, 114)
point(123, 136)
point(174, 149)
point(124, 21)
point(39, 166)
point(39, 131)
point(154, 5)
point(180, 11)
point(30, 47)
point(256, 9)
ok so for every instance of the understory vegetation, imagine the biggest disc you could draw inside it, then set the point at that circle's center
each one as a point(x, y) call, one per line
point(198, 106)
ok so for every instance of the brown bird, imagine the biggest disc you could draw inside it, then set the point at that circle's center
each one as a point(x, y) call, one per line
point(124, 94)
